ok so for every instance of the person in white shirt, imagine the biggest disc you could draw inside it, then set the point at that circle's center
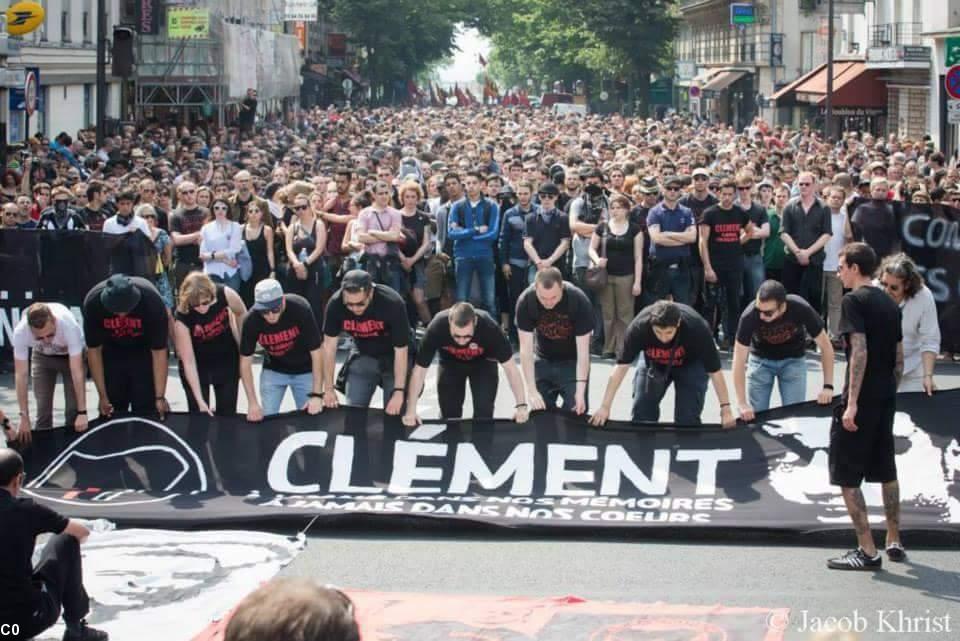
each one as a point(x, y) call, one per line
point(56, 338)
point(125, 221)
point(221, 241)
point(832, 287)
point(902, 280)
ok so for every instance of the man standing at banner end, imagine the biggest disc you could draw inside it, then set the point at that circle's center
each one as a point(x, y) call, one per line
point(31, 599)
point(861, 437)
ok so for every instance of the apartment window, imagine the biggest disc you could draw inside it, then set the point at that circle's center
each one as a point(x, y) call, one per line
point(65, 25)
point(86, 26)
point(807, 40)
point(41, 33)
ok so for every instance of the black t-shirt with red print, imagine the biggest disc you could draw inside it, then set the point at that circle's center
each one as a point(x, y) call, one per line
point(488, 342)
point(382, 327)
point(556, 330)
point(783, 338)
point(726, 253)
point(288, 342)
point(693, 342)
point(143, 329)
point(211, 335)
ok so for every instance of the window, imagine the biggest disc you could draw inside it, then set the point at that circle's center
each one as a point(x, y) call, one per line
point(87, 104)
point(86, 27)
point(40, 35)
point(807, 39)
point(65, 25)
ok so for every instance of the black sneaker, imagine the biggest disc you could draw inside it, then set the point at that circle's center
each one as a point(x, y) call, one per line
point(86, 633)
point(896, 553)
point(855, 560)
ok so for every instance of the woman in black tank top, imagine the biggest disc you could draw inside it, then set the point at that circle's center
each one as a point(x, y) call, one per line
point(306, 241)
point(259, 239)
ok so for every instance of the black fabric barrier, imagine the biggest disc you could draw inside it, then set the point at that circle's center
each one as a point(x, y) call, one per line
point(553, 471)
point(61, 267)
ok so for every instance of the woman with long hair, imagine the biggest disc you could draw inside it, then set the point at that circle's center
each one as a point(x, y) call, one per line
point(207, 337)
point(903, 281)
point(259, 239)
point(617, 245)
point(220, 245)
point(417, 242)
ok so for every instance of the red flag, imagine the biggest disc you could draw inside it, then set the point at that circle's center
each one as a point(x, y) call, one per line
point(473, 99)
point(522, 98)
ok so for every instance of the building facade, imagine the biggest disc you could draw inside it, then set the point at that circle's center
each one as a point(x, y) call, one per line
point(62, 53)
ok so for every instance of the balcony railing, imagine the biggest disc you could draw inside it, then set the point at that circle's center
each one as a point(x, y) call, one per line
point(896, 34)
point(720, 45)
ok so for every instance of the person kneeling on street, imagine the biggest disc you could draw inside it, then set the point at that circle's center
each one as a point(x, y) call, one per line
point(470, 345)
point(283, 325)
point(375, 316)
point(32, 599)
point(678, 348)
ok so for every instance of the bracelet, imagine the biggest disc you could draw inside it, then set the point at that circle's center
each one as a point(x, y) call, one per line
point(518, 406)
point(724, 404)
point(315, 395)
point(583, 380)
point(828, 386)
point(398, 389)
point(160, 398)
point(82, 412)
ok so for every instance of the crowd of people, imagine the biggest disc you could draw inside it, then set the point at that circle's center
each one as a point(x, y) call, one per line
point(470, 235)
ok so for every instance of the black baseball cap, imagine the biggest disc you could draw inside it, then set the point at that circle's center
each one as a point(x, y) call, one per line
point(119, 294)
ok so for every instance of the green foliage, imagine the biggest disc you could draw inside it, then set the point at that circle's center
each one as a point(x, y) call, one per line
point(402, 37)
point(586, 39)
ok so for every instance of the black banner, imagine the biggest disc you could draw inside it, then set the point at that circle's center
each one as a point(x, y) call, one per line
point(554, 471)
point(62, 266)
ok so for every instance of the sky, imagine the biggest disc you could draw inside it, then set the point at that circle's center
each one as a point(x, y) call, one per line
point(465, 64)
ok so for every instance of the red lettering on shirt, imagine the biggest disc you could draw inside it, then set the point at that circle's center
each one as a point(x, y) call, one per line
point(123, 326)
point(726, 233)
point(468, 353)
point(661, 355)
point(206, 332)
point(280, 342)
point(554, 326)
point(370, 328)
point(777, 334)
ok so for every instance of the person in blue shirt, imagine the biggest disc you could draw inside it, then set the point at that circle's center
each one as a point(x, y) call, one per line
point(672, 234)
point(513, 258)
point(474, 226)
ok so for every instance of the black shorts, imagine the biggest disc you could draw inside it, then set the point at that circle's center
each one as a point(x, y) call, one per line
point(867, 454)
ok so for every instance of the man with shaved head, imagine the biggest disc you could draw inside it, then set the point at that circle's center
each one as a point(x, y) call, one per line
point(32, 599)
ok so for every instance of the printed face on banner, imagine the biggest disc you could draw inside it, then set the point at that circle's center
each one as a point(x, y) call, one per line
point(932, 470)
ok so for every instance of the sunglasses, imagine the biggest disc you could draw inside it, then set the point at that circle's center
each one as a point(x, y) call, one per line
point(551, 196)
point(768, 313)
point(462, 337)
point(220, 208)
point(743, 188)
point(187, 192)
point(271, 311)
point(671, 189)
point(805, 184)
point(204, 303)
point(300, 207)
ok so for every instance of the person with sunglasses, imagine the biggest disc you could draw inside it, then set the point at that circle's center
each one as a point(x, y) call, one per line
point(221, 241)
point(806, 229)
point(546, 236)
point(375, 317)
point(470, 345)
point(673, 232)
point(186, 223)
point(35, 597)
point(774, 330)
point(53, 338)
point(284, 326)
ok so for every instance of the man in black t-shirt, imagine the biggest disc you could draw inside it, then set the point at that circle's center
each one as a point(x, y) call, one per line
point(678, 348)
point(375, 317)
point(31, 599)
point(186, 221)
point(470, 345)
point(698, 201)
point(775, 328)
point(722, 253)
point(125, 324)
point(560, 316)
point(861, 439)
point(284, 326)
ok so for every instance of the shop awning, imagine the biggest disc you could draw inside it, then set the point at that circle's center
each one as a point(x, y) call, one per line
point(853, 86)
point(787, 91)
point(723, 80)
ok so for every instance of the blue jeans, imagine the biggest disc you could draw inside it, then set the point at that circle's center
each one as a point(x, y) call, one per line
point(668, 279)
point(558, 380)
point(233, 282)
point(651, 382)
point(484, 269)
point(754, 273)
point(273, 385)
point(790, 373)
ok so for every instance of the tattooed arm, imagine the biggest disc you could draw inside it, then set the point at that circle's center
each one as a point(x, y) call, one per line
point(898, 369)
point(857, 367)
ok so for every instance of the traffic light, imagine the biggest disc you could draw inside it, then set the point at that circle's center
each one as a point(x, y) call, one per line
point(122, 56)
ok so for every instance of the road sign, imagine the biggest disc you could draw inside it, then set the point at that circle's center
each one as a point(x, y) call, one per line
point(742, 14)
point(952, 47)
point(694, 91)
point(953, 112)
point(951, 82)
point(694, 105)
point(30, 93)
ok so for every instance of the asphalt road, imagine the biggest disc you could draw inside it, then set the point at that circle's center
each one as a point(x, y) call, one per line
point(746, 571)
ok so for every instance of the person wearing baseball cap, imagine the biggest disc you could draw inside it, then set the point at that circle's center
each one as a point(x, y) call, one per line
point(125, 323)
point(375, 316)
point(284, 326)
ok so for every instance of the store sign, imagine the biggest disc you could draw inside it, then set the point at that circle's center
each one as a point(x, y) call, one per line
point(776, 49)
point(953, 111)
point(686, 69)
point(149, 15)
point(855, 112)
point(742, 14)
point(952, 48)
point(188, 23)
point(899, 54)
point(300, 11)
